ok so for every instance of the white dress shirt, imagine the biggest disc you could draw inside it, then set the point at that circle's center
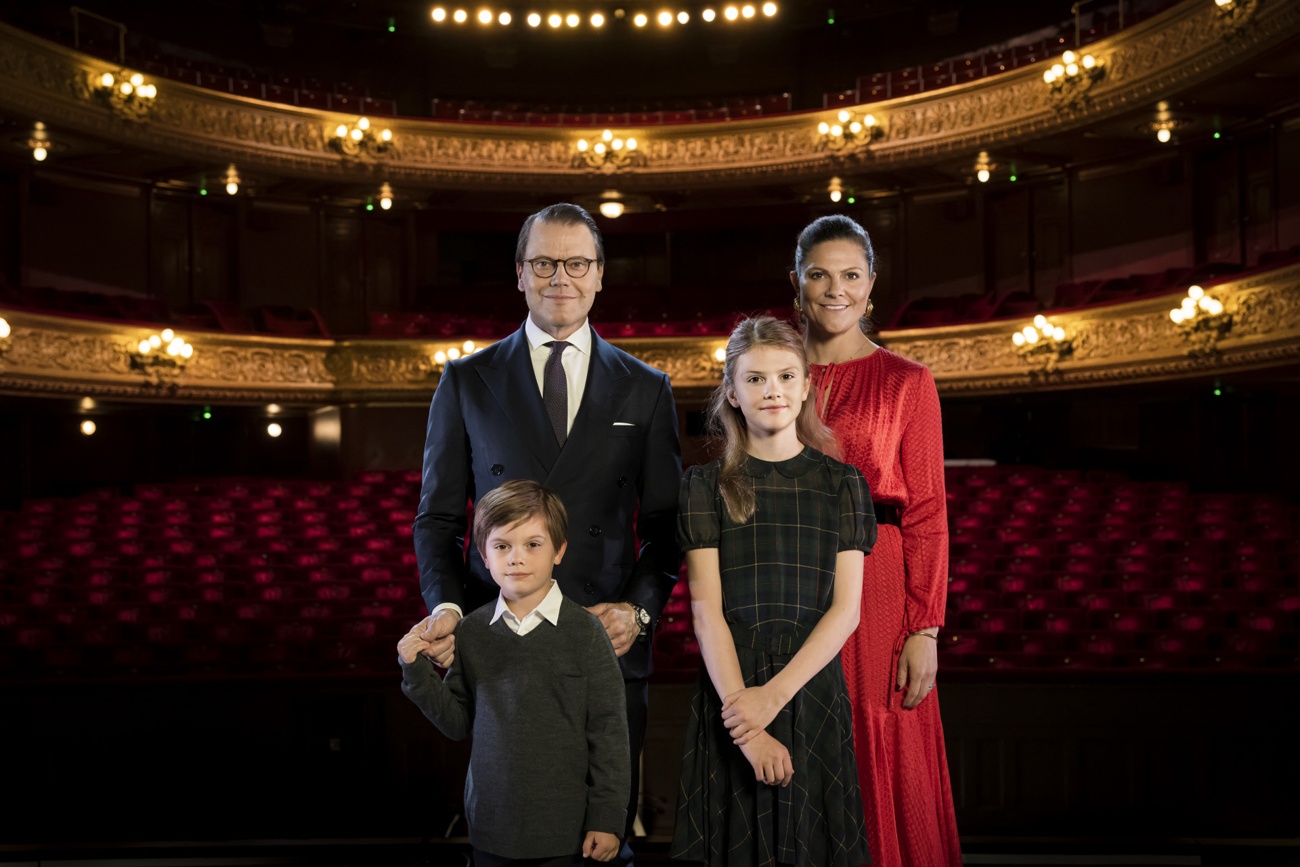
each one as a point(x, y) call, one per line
point(576, 360)
point(548, 609)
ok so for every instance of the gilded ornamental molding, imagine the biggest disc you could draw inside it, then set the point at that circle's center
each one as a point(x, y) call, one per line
point(1112, 345)
point(1167, 53)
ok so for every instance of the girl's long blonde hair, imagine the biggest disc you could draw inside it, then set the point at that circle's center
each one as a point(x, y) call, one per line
point(728, 422)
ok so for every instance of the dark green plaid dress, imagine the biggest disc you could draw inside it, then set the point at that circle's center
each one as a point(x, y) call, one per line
point(778, 573)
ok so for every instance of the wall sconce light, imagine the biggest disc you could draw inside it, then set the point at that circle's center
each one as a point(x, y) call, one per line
point(161, 355)
point(1202, 320)
point(1165, 129)
point(274, 430)
point(126, 93)
point(608, 153)
point(1043, 344)
point(231, 180)
point(611, 205)
point(984, 167)
point(835, 190)
point(385, 197)
point(39, 142)
point(1070, 78)
point(848, 131)
point(88, 428)
point(361, 139)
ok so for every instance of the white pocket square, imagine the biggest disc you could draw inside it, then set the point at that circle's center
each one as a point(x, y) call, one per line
point(623, 424)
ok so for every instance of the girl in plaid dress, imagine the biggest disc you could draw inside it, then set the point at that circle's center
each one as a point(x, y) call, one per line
point(775, 532)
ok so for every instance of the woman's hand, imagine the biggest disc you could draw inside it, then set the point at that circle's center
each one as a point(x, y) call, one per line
point(769, 758)
point(917, 666)
point(749, 711)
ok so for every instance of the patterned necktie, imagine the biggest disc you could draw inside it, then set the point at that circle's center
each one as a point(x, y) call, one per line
point(555, 391)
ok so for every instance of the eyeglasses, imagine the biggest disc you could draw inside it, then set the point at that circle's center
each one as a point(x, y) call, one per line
point(574, 266)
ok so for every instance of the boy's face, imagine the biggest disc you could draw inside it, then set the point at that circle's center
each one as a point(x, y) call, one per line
point(521, 558)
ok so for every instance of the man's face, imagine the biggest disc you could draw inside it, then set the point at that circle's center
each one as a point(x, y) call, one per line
point(559, 303)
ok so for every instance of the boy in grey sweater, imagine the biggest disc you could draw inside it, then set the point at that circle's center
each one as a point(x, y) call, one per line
point(536, 682)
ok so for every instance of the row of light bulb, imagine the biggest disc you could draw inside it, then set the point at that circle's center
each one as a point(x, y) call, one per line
point(845, 121)
point(1195, 303)
point(358, 131)
point(1069, 66)
point(607, 142)
point(133, 85)
point(175, 346)
point(88, 428)
point(1042, 329)
point(556, 20)
point(466, 348)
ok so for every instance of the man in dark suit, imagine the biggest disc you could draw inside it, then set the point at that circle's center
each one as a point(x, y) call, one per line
point(555, 403)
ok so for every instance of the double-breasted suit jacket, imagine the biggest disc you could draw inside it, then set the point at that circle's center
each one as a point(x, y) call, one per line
point(617, 474)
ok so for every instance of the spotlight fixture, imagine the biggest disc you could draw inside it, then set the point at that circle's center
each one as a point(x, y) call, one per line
point(1042, 344)
point(361, 139)
point(607, 153)
point(1070, 78)
point(231, 180)
point(1202, 319)
point(385, 196)
point(127, 93)
point(848, 131)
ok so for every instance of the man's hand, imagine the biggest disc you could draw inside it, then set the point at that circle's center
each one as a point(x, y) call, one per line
point(600, 846)
point(411, 646)
point(438, 631)
point(619, 620)
point(746, 712)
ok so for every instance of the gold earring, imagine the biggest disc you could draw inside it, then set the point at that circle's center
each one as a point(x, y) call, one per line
point(798, 308)
point(871, 305)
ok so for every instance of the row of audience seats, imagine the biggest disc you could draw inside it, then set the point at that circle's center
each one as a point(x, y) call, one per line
point(317, 93)
point(280, 320)
point(917, 313)
point(1053, 570)
point(646, 114)
point(245, 578)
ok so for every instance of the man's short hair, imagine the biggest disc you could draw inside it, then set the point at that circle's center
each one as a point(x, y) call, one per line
point(561, 214)
point(517, 501)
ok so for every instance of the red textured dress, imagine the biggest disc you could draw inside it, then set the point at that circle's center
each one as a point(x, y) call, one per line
point(884, 410)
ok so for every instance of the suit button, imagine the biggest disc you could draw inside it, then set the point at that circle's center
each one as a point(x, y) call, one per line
point(497, 469)
point(594, 529)
point(622, 480)
point(590, 588)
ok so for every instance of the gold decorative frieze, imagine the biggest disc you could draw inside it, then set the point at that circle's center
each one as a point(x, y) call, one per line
point(1169, 52)
point(1112, 345)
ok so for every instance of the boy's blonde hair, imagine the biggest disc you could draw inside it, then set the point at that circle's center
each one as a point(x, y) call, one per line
point(517, 501)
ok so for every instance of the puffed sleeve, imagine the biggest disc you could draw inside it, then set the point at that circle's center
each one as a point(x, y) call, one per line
point(857, 517)
point(698, 523)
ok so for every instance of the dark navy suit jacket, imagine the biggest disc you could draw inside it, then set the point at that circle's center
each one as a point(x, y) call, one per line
point(618, 475)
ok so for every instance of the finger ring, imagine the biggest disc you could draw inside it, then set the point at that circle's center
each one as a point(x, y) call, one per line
point(930, 687)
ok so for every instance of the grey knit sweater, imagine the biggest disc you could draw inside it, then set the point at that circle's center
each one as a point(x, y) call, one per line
point(548, 717)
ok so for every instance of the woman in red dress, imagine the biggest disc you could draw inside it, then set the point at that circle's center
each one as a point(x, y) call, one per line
point(884, 410)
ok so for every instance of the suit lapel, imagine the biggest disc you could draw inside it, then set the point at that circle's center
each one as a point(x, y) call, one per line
point(602, 401)
point(513, 385)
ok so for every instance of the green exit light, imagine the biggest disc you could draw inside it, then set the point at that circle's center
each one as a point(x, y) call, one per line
point(852, 200)
point(1218, 392)
point(392, 25)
